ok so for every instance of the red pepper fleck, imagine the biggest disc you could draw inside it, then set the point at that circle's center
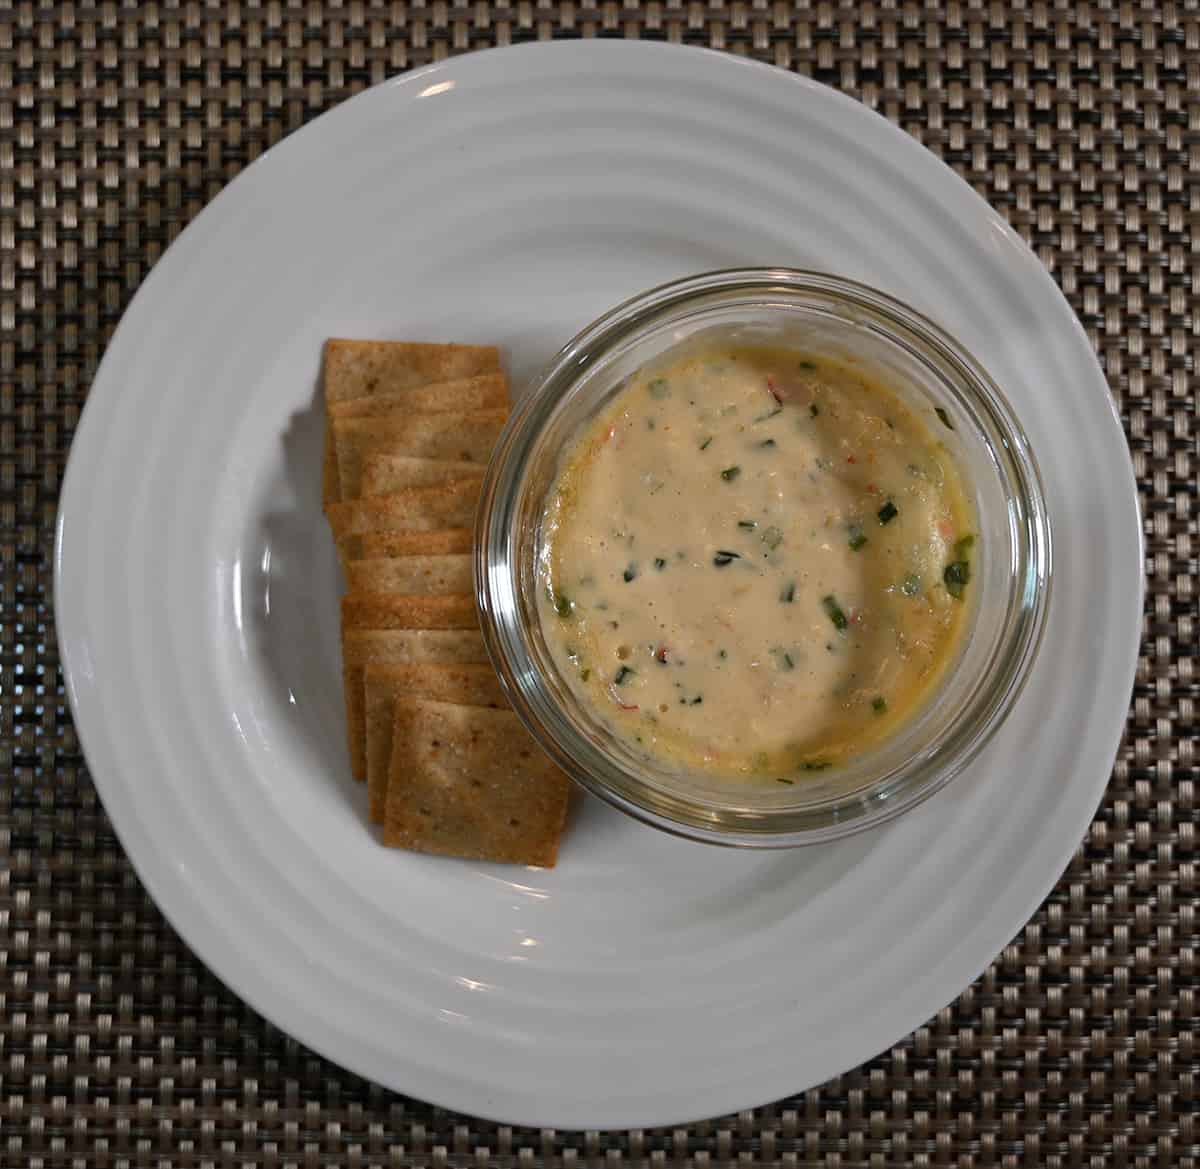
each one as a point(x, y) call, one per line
point(946, 529)
point(872, 489)
point(623, 705)
point(773, 391)
point(660, 654)
point(851, 459)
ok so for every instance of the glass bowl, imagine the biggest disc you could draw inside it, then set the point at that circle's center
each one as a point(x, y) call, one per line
point(815, 313)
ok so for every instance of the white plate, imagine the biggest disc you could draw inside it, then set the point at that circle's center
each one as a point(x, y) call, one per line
point(509, 197)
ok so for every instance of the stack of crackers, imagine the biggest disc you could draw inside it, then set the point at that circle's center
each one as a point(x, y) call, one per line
point(449, 768)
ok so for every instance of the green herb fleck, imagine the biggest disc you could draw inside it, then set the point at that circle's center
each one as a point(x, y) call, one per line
point(623, 675)
point(722, 654)
point(698, 699)
point(911, 585)
point(650, 424)
point(888, 512)
point(731, 473)
point(815, 765)
point(788, 595)
point(834, 612)
point(780, 779)
point(943, 417)
point(747, 525)
point(769, 414)
point(956, 577)
point(964, 546)
point(856, 537)
point(630, 573)
point(785, 660)
point(808, 365)
point(704, 444)
point(766, 444)
point(561, 602)
point(659, 563)
point(724, 557)
point(659, 388)
point(772, 537)
point(879, 705)
point(584, 674)
point(814, 410)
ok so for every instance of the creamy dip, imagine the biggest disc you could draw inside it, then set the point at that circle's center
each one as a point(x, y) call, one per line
point(756, 561)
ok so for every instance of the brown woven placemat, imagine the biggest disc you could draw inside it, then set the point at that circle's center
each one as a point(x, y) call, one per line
point(118, 122)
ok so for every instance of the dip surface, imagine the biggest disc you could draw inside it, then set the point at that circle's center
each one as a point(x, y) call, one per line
point(755, 561)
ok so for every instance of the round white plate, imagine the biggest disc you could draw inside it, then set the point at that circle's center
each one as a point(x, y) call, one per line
point(510, 197)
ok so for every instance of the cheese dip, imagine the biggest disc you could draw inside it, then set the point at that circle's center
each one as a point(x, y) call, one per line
point(755, 561)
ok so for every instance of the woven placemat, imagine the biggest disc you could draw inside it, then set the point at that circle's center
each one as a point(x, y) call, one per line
point(118, 122)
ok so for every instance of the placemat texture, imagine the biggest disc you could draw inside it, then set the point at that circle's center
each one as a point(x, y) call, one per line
point(118, 122)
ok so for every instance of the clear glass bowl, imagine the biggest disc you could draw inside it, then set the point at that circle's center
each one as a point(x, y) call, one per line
point(1010, 574)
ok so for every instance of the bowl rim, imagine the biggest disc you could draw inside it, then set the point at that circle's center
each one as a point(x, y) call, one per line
point(893, 793)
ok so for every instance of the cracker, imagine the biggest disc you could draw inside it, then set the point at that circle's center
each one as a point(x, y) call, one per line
point(361, 369)
point(385, 474)
point(467, 781)
point(329, 472)
point(414, 471)
point(468, 435)
point(402, 647)
point(470, 685)
point(472, 393)
point(382, 612)
point(437, 575)
point(433, 508)
point(390, 611)
point(395, 647)
point(446, 542)
point(357, 369)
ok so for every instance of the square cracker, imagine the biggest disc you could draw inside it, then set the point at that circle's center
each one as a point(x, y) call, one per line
point(467, 781)
point(361, 369)
point(470, 393)
point(434, 575)
point(446, 542)
point(395, 647)
point(357, 369)
point(403, 471)
point(383, 473)
point(398, 611)
point(382, 612)
point(402, 647)
point(467, 685)
point(432, 508)
point(468, 435)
